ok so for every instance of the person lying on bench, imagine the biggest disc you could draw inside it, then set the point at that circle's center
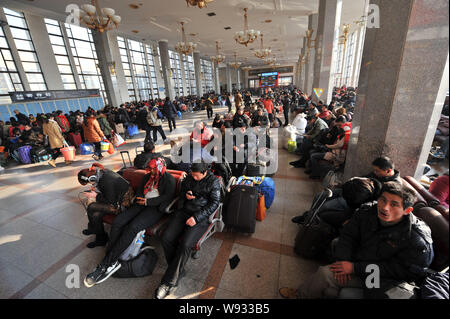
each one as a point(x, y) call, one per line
point(108, 190)
point(199, 198)
point(383, 245)
point(155, 193)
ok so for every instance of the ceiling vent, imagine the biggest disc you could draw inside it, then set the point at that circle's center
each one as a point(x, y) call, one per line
point(211, 14)
point(227, 28)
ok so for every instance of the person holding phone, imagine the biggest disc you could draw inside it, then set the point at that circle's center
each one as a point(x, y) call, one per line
point(199, 198)
point(155, 193)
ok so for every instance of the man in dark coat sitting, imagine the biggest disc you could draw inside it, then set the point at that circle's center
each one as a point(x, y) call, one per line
point(383, 245)
point(199, 198)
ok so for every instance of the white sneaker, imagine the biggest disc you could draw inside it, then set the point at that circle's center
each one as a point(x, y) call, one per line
point(100, 274)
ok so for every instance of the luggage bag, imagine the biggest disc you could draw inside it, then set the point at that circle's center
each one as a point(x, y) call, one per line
point(241, 210)
point(314, 236)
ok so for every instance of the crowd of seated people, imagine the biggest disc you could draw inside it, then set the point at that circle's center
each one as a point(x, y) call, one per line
point(92, 126)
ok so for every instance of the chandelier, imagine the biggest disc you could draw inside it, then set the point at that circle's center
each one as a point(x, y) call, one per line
point(262, 53)
point(235, 64)
point(185, 47)
point(98, 19)
point(218, 58)
point(247, 36)
point(198, 3)
point(270, 60)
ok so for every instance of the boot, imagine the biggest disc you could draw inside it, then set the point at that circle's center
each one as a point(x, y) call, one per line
point(52, 163)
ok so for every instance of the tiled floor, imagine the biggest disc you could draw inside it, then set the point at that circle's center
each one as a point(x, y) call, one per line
point(40, 239)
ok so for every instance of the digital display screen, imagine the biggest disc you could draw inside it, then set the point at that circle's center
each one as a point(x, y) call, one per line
point(269, 79)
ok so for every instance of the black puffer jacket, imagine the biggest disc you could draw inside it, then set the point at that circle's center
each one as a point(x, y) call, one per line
point(207, 196)
point(112, 188)
point(403, 251)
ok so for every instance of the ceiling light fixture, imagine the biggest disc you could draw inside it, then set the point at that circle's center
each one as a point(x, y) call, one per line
point(247, 36)
point(185, 47)
point(235, 64)
point(270, 60)
point(218, 58)
point(262, 53)
point(198, 3)
point(98, 19)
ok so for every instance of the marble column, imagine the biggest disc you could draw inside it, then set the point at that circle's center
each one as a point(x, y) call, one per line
point(310, 54)
point(198, 73)
point(327, 39)
point(105, 58)
point(166, 70)
point(216, 77)
point(245, 83)
point(402, 86)
point(238, 79)
point(228, 75)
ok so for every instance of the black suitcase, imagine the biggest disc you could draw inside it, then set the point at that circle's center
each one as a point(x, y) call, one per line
point(241, 208)
point(314, 236)
point(255, 169)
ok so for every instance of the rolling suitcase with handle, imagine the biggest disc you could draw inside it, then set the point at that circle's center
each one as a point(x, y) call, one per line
point(241, 208)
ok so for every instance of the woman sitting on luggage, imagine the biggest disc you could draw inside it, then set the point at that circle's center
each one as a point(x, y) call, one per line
point(155, 193)
point(199, 198)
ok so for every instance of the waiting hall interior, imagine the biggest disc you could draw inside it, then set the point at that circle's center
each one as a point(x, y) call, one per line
point(224, 149)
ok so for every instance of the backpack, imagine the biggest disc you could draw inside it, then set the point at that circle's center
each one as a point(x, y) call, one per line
point(140, 266)
point(159, 113)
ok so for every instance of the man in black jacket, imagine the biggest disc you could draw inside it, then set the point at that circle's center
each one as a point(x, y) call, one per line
point(384, 170)
point(22, 118)
point(155, 193)
point(170, 112)
point(382, 247)
point(199, 198)
point(108, 190)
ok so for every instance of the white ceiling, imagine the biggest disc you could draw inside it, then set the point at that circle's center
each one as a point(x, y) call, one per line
point(160, 19)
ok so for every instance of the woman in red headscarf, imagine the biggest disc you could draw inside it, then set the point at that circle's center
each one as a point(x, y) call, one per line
point(156, 192)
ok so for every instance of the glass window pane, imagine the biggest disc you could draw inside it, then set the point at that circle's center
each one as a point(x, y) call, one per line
point(59, 49)
point(56, 40)
point(65, 69)
point(7, 55)
point(11, 65)
point(15, 77)
point(3, 43)
point(27, 56)
point(20, 34)
point(35, 78)
point(38, 87)
point(24, 45)
point(84, 49)
point(52, 29)
point(88, 66)
point(60, 59)
point(5, 84)
point(69, 86)
point(92, 82)
point(18, 87)
point(31, 67)
point(79, 32)
point(16, 22)
point(67, 78)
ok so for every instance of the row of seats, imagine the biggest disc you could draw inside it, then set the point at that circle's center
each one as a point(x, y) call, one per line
point(134, 176)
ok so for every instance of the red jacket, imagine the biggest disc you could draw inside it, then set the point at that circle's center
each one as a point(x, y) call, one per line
point(439, 188)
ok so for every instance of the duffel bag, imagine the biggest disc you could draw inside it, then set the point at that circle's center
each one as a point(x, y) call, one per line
point(140, 266)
